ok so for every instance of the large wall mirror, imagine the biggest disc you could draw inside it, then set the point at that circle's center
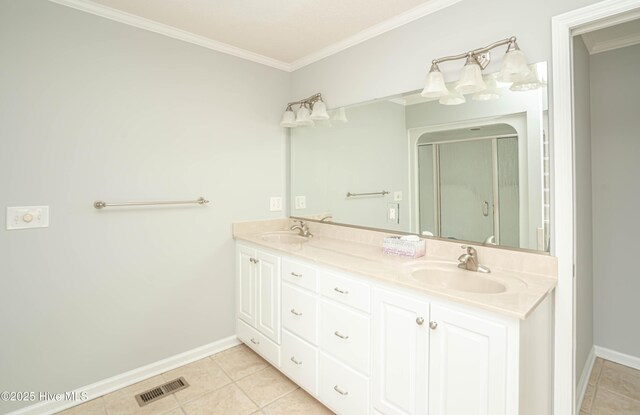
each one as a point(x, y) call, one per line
point(476, 172)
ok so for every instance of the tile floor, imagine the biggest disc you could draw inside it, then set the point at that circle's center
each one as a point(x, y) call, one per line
point(613, 389)
point(234, 382)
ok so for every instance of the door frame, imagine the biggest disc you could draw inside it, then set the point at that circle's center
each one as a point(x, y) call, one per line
point(564, 27)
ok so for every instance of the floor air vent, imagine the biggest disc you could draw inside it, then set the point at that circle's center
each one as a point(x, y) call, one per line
point(161, 391)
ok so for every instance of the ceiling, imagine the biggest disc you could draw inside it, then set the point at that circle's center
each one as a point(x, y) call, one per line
point(287, 34)
point(613, 37)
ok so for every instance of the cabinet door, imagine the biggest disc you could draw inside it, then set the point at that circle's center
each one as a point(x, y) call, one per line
point(400, 354)
point(246, 284)
point(268, 292)
point(467, 364)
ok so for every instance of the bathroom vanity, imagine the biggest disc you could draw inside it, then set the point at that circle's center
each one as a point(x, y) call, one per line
point(369, 333)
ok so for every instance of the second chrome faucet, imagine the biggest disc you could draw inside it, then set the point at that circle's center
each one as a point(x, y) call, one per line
point(302, 228)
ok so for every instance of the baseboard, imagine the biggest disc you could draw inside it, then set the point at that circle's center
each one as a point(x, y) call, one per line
point(103, 387)
point(583, 382)
point(617, 357)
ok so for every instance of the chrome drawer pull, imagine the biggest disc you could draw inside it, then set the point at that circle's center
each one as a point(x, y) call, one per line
point(420, 321)
point(345, 292)
point(254, 341)
point(296, 275)
point(433, 325)
point(341, 392)
point(340, 335)
point(294, 312)
point(293, 359)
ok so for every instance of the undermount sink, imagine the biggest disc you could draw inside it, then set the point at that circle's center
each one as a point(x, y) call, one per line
point(448, 275)
point(284, 237)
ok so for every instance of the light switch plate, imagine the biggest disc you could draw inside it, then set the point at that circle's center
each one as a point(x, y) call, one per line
point(27, 217)
point(393, 213)
point(301, 202)
point(275, 204)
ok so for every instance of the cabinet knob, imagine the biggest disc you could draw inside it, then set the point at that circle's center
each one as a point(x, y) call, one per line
point(338, 290)
point(293, 359)
point(340, 391)
point(433, 325)
point(296, 275)
point(254, 341)
point(342, 336)
point(420, 321)
point(295, 313)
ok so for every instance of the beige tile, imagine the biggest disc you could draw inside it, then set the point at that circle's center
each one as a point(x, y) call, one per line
point(93, 407)
point(584, 413)
point(266, 386)
point(297, 402)
point(176, 411)
point(610, 403)
point(123, 401)
point(620, 379)
point(595, 372)
point(588, 398)
point(202, 376)
point(241, 362)
point(229, 400)
point(233, 349)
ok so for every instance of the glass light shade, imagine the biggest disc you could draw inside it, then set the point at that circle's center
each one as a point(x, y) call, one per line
point(470, 78)
point(319, 111)
point(340, 115)
point(288, 119)
point(529, 83)
point(435, 86)
point(303, 118)
point(514, 67)
point(453, 98)
point(490, 93)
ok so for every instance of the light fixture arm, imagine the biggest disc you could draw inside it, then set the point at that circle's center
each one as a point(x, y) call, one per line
point(307, 101)
point(481, 54)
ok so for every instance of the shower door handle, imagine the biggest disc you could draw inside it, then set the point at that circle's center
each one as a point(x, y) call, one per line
point(485, 208)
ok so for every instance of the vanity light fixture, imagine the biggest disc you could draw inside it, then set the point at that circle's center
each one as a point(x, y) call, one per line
point(310, 109)
point(489, 94)
point(513, 69)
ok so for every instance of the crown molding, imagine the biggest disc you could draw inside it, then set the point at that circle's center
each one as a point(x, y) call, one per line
point(110, 13)
point(170, 31)
point(607, 45)
point(385, 26)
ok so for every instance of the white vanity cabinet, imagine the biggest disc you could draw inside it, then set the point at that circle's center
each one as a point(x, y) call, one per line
point(363, 346)
point(258, 300)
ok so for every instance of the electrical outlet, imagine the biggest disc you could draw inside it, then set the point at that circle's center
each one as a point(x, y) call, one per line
point(397, 196)
point(393, 213)
point(275, 204)
point(301, 202)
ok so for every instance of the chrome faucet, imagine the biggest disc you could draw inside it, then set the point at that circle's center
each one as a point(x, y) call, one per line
point(302, 228)
point(469, 260)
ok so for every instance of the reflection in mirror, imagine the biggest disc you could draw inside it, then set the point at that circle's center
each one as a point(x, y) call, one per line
point(475, 172)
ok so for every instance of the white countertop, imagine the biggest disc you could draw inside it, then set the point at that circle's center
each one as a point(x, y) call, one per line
point(524, 290)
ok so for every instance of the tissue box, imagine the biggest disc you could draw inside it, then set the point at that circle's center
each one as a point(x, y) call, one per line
point(395, 246)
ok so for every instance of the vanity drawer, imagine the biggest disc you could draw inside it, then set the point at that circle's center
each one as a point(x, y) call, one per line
point(300, 312)
point(341, 388)
point(258, 342)
point(345, 334)
point(299, 274)
point(300, 362)
point(346, 290)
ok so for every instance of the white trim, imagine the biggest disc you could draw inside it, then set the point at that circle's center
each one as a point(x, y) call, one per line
point(612, 44)
point(122, 380)
point(563, 28)
point(617, 357)
point(581, 388)
point(170, 31)
point(383, 27)
point(173, 32)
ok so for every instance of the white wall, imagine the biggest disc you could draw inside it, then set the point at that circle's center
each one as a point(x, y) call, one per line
point(398, 61)
point(615, 99)
point(583, 216)
point(93, 109)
